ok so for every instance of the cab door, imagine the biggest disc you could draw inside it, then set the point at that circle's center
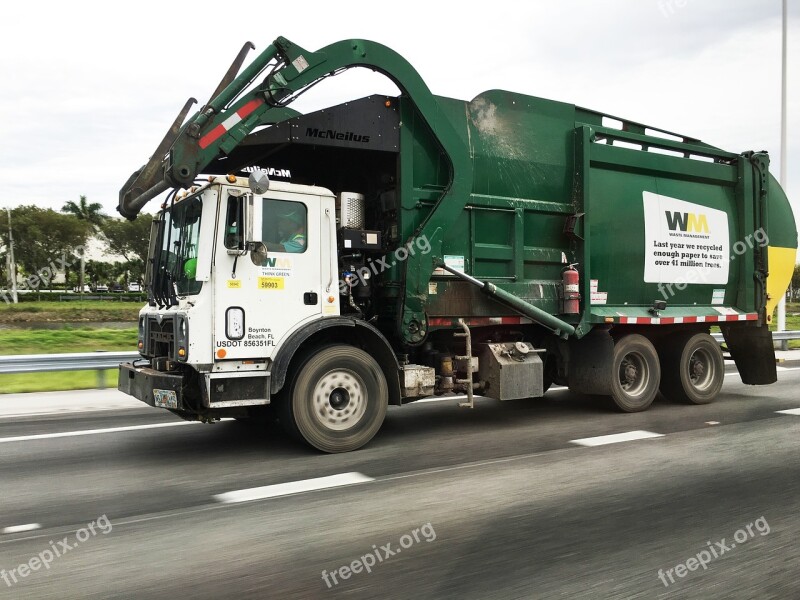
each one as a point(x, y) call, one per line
point(257, 305)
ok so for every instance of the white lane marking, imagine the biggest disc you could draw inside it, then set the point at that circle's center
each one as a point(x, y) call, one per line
point(436, 399)
point(712, 422)
point(293, 487)
point(47, 436)
point(69, 411)
point(615, 438)
point(21, 528)
point(789, 411)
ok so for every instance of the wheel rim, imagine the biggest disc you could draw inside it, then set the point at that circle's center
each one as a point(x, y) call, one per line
point(339, 400)
point(701, 369)
point(634, 374)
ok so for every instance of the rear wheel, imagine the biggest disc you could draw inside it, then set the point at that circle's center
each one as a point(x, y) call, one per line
point(337, 401)
point(635, 373)
point(693, 369)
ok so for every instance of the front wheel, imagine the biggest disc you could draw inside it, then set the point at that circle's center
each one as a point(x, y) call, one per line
point(693, 369)
point(337, 401)
point(635, 373)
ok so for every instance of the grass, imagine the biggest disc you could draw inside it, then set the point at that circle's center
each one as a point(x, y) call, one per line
point(72, 311)
point(66, 339)
point(54, 382)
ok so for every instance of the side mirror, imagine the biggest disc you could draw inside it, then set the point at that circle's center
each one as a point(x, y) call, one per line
point(244, 219)
point(258, 182)
point(258, 253)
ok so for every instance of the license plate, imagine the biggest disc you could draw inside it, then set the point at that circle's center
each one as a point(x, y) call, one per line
point(165, 398)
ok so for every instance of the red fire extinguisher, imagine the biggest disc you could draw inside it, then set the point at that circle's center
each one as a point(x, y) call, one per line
point(570, 280)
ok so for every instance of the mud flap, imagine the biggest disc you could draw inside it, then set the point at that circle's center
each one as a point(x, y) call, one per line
point(753, 352)
point(590, 360)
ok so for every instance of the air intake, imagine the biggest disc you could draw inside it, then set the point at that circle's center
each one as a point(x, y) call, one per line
point(350, 210)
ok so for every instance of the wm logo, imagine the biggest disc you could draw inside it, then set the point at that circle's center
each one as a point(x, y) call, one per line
point(686, 222)
point(280, 263)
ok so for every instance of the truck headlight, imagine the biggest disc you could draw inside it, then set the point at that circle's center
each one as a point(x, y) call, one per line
point(140, 344)
point(182, 339)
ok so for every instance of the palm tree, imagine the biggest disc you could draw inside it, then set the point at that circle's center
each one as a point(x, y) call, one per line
point(91, 213)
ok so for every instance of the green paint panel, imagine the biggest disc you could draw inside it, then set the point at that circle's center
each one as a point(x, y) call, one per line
point(536, 162)
point(618, 236)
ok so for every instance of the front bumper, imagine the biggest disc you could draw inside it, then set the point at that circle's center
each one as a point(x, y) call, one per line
point(140, 382)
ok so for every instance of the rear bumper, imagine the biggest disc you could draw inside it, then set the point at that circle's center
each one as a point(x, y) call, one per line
point(140, 382)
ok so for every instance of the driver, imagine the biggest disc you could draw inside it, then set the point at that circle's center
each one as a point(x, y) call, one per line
point(292, 231)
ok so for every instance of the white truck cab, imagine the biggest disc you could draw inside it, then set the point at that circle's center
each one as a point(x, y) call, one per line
point(244, 295)
point(223, 308)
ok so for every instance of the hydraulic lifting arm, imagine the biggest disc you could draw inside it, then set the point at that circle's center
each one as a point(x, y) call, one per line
point(290, 70)
point(232, 114)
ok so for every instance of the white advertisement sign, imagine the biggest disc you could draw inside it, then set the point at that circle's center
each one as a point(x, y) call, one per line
point(684, 242)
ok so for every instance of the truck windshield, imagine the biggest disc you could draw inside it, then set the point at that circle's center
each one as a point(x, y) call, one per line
point(176, 260)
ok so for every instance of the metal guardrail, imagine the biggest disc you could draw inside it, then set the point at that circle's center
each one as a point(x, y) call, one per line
point(781, 337)
point(785, 336)
point(81, 361)
point(99, 361)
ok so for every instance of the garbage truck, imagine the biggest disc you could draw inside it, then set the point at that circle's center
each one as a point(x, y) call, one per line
point(323, 266)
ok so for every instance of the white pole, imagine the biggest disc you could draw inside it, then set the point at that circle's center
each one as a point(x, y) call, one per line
point(82, 276)
point(782, 303)
point(12, 269)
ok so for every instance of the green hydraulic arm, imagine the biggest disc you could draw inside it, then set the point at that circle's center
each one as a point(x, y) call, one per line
point(290, 70)
point(554, 324)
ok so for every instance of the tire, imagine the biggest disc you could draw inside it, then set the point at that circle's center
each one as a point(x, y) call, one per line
point(337, 401)
point(692, 368)
point(635, 375)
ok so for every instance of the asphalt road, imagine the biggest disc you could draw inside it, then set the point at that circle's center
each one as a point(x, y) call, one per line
point(494, 502)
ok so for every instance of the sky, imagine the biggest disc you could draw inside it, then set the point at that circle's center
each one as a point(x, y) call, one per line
point(89, 89)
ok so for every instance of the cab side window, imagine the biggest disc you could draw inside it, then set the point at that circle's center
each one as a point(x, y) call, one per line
point(285, 226)
point(234, 226)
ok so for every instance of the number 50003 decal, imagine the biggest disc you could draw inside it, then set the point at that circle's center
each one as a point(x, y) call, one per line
point(270, 283)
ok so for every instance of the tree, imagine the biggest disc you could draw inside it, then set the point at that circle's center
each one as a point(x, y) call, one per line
point(129, 239)
point(84, 211)
point(795, 294)
point(45, 242)
point(99, 272)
